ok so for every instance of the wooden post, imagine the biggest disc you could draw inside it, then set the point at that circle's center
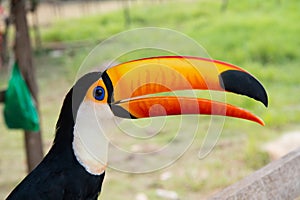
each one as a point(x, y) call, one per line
point(126, 10)
point(224, 5)
point(2, 96)
point(36, 30)
point(4, 52)
point(278, 180)
point(23, 55)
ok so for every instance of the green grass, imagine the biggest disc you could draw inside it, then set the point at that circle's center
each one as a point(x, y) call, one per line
point(235, 31)
point(260, 36)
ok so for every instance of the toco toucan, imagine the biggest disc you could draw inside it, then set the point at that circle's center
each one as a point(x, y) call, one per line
point(74, 167)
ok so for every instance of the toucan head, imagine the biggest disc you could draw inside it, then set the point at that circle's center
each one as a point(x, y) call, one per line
point(145, 88)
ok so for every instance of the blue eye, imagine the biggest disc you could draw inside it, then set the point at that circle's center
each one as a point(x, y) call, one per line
point(99, 93)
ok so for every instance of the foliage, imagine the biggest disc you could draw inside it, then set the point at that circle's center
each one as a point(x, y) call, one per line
point(247, 31)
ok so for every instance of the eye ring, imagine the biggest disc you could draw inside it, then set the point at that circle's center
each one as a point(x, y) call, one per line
point(99, 93)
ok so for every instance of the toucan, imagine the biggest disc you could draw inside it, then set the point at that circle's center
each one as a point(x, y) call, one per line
point(74, 167)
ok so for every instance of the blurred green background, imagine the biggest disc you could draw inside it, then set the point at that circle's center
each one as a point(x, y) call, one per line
point(260, 36)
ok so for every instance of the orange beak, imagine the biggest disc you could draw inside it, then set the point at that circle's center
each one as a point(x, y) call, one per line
point(131, 87)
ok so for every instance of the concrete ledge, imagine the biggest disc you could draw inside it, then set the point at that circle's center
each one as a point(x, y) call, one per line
point(278, 180)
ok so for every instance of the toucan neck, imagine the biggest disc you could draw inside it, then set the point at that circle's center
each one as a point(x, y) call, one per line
point(62, 145)
point(65, 124)
point(77, 131)
point(66, 121)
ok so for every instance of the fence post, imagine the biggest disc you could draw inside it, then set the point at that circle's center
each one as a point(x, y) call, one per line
point(2, 96)
point(23, 55)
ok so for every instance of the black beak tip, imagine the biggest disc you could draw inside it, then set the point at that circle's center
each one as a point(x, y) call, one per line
point(240, 82)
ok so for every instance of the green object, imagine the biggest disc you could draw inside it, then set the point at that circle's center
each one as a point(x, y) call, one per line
point(19, 108)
